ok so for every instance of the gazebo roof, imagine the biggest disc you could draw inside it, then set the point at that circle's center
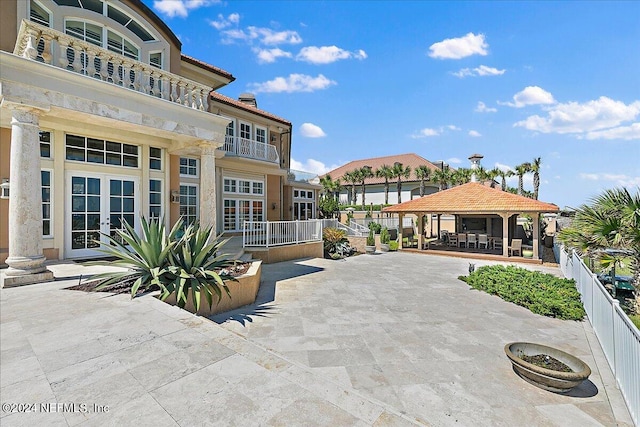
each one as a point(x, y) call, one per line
point(472, 198)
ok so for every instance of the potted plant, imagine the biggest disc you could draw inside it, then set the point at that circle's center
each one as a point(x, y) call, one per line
point(393, 245)
point(527, 253)
point(370, 247)
point(384, 239)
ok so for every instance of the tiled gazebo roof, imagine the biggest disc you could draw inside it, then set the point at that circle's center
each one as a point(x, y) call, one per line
point(472, 198)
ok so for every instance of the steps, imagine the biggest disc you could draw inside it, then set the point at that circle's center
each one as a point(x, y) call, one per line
point(233, 249)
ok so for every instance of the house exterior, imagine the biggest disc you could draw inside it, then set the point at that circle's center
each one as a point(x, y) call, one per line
point(104, 120)
point(374, 187)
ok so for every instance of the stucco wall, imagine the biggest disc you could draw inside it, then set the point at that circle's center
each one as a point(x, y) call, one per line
point(8, 25)
point(289, 252)
point(273, 198)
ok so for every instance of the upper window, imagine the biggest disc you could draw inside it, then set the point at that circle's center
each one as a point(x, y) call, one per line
point(155, 158)
point(188, 166)
point(93, 150)
point(45, 144)
point(45, 175)
point(245, 130)
point(117, 43)
point(94, 5)
point(261, 135)
point(155, 59)
point(39, 14)
point(86, 31)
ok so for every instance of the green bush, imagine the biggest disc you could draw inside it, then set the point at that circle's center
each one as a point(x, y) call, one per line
point(332, 237)
point(174, 264)
point(371, 240)
point(384, 236)
point(394, 245)
point(635, 318)
point(377, 228)
point(541, 293)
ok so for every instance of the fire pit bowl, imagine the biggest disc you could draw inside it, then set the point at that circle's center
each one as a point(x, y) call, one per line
point(548, 379)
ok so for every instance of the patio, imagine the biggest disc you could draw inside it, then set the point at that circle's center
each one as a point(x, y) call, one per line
point(373, 340)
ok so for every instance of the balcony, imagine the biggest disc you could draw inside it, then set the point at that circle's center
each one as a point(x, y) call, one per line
point(52, 47)
point(251, 149)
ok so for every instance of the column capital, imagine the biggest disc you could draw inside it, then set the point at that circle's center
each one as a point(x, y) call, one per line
point(25, 113)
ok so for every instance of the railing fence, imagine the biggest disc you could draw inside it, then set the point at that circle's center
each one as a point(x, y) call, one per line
point(618, 336)
point(278, 233)
point(251, 149)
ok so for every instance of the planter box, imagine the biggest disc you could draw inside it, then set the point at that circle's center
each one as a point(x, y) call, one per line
point(243, 292)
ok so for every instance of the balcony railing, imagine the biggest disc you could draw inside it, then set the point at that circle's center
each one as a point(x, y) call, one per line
point(52, 47)
point(251, 149)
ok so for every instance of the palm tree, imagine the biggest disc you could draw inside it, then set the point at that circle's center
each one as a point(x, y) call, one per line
point(611, 221)
point(327, 185)
point(352, 178)
point(423, 173)
point(399, 171)
point(442, 177)
point(492, 174)
point(386, 172)
point(535, 168)
point(521, 170)
point(504, 175)
point(364, 173)
point(461, 176)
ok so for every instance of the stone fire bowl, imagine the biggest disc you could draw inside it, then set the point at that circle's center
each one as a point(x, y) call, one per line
point(559, 382)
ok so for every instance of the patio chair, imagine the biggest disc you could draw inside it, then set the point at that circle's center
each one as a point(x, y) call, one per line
point(516, 246)
point(453, 240)
point(483, 239)
point(497, 243)
point(471, 240)
point(462, 239)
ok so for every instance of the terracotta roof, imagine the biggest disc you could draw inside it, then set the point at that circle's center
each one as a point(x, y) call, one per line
point(235, 103)
point(208, 67)
point(410, 159)
point(472, 198)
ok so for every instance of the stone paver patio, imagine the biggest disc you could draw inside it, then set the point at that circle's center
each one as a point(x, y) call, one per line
point(391, 339)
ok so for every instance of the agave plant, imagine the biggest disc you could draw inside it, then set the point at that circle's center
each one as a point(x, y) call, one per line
point(189, 264)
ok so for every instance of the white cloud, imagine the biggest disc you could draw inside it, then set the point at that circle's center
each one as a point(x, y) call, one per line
point(180, 8)
point(271, 55)
point(313, 166)
point(293, 83)
point(603, 114)
point(223, 22)
point(482, 108)
point(474, 133)
point(617, 179)
point(531, 95)
point(425, 133)
point(621, 132)
point(460, 47)
point(453, 127)
point(481, 71)
point(327, 54)
point(309, 130)
point(454, 161)
point(503, 167)
point(265, 36)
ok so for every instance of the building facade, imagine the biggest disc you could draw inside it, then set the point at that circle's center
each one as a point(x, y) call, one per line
point(103, 120)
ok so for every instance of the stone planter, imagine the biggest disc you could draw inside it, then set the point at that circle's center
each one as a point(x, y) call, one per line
point(384, 247)
point(370, 249)
point(527, 253)
point(547, 379)
point(243, 292)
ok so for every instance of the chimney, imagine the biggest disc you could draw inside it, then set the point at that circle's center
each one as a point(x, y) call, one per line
point(248, 98)
point(475, 164)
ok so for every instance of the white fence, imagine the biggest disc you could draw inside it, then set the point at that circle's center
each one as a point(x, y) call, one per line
point(277, 233)
point(618, 336)
point(390, 223)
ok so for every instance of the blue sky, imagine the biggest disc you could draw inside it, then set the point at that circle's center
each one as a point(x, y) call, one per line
point(509, 80)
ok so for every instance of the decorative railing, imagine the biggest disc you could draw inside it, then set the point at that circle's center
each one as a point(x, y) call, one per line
point(278, 233)
point(618, 336)
point(52, 47)
point(251, 149)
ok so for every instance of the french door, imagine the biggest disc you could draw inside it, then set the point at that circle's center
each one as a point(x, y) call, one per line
point(97, 205)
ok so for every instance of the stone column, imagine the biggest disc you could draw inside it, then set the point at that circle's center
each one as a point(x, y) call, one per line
point(505, 234)
point(26, 259)
point(208, 186)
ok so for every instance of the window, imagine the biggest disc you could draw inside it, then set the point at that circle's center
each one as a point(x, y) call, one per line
point(258, 187)
point(155, 158)
point(244, 187)
point(155, 59)
point(117, 43)
point(93, 5)
point(39, 14)
point(91, 150)
point(189, 203)
point(229, 185)
point(303, 194)
point(86, 31)
point(45, 144)
point(188, 166)
point(257, 211)
point(261, 135)
point(230, 129)
point(245, 130)
point(45, 176)
point(229, 214)
point(125, 20)
point(236, 212)
point(155, 198)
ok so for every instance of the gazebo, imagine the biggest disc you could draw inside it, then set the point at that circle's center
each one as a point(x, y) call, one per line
point(477, 206)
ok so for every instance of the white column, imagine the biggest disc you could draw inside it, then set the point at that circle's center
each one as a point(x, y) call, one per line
point(536, 235)
point(208, 186)
point(420, 230)
point(400, 228)
point(505, 234)
point(26, 259)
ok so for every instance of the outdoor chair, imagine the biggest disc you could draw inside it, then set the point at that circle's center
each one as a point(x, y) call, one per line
point(462, 239)
point(471, 240)
point(453, 240)
point(497, 243)
point(516, 246)
point(483, 239)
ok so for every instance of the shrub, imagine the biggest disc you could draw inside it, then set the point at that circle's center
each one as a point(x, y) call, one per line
point(332, 237)
point(371, 240)
point(393, 246)
point(541, 293)
point(384, 236)
point(375, 227)
point(174, 264)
